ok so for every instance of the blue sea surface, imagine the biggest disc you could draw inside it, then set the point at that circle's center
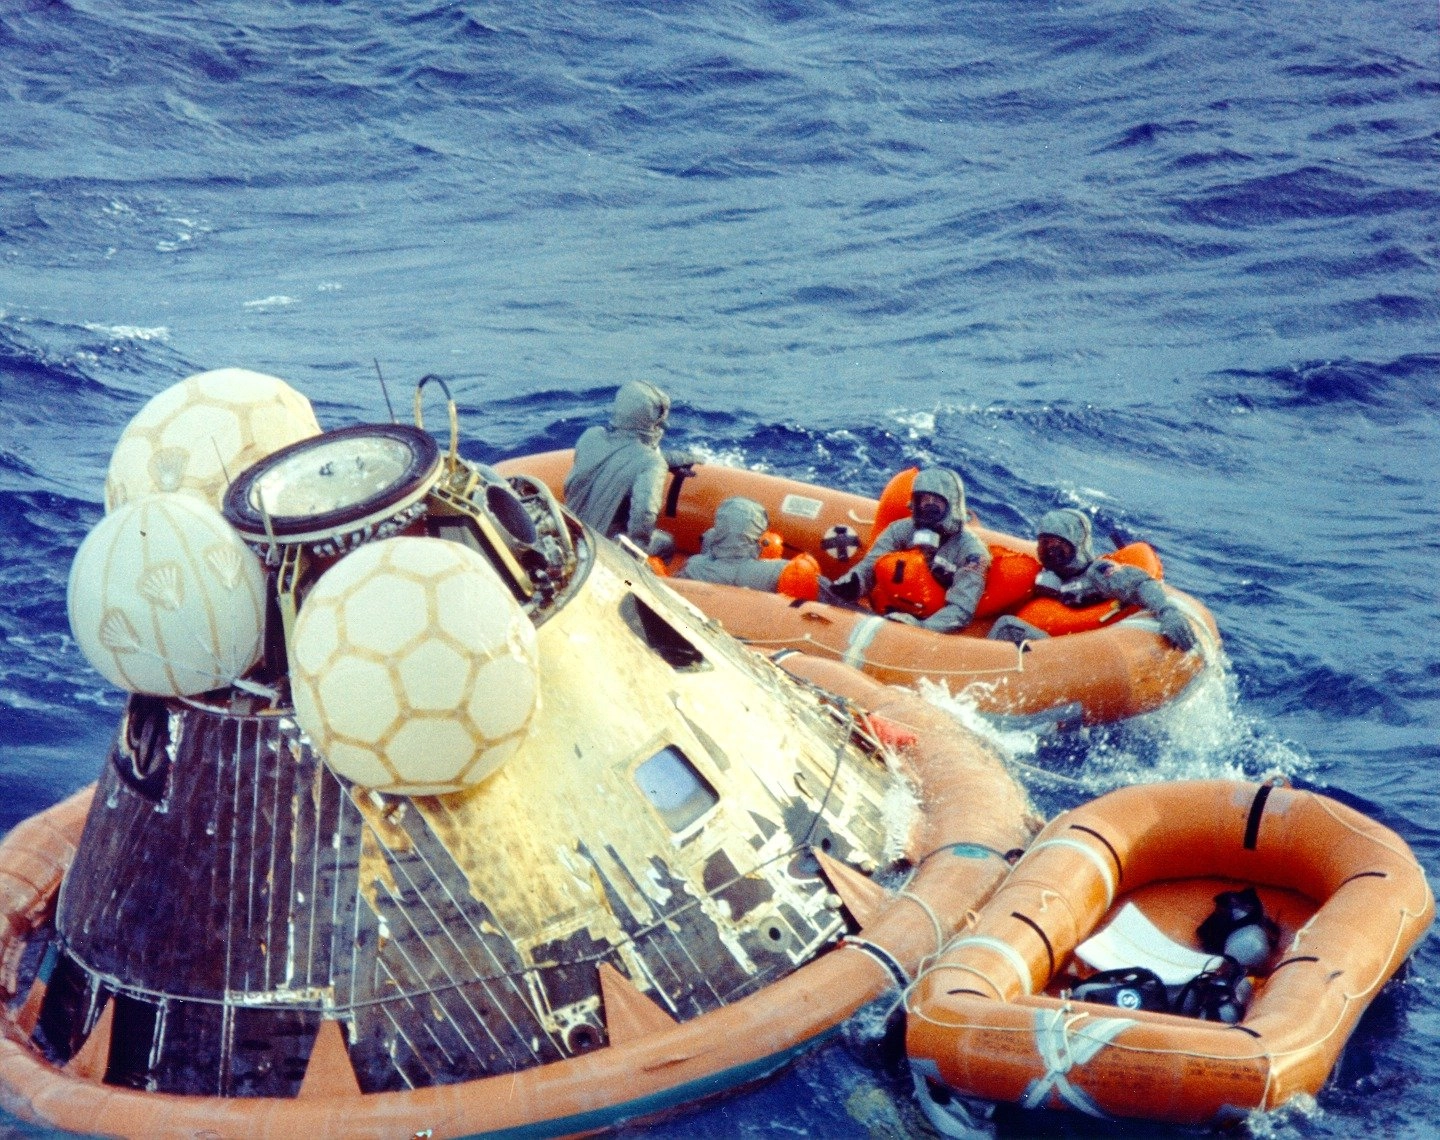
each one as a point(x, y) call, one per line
point(1176, 264)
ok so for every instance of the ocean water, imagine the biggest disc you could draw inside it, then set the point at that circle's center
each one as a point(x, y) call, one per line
point(1174, 263)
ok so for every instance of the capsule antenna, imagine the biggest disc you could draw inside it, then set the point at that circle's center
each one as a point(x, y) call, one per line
point(385, 391)
point(224, 470)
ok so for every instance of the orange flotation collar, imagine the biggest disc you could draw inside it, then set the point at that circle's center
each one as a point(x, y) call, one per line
point(1009, 581)
point(894, 501)
point(1055, 617)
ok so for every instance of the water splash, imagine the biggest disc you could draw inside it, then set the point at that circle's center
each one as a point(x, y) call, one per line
point(1204, 734)
point(1293, 1119)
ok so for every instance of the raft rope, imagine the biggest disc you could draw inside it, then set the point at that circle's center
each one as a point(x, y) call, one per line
point(1106, 874)
point(1047, 1050)
point(930, 913)
point(856, 653)
point(1260, 1054)
point(860, 659)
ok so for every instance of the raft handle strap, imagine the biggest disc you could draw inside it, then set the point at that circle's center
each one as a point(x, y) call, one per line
point(880, 954)
point(1257, 809)
point(678, 475)
point(1119, 868)
point(1035, 926)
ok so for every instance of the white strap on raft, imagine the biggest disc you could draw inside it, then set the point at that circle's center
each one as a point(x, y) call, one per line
point(1062, 1049)
point(860, 638)
point(1107, 871)
point(1006, 951)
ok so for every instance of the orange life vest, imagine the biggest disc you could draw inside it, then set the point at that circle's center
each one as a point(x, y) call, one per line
point(1055, 617)
point(772, 545)
point(800, 578)
point(904, 584)
point(1008, 582)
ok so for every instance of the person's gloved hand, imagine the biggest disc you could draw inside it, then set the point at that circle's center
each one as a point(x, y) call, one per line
point(661, 545)
point(846, 587)
point(1010, 628)
point(1175, 629)
point(903, 618)
point(682, 457)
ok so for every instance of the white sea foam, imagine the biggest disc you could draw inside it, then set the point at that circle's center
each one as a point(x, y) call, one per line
point(159, 333)
point(1203, 734)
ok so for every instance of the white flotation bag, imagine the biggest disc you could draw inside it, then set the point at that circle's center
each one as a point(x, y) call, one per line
point(199, 434)
point(164, 598)
point(413, 668)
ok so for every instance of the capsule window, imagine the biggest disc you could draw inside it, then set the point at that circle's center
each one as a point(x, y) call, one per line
point(678, 792)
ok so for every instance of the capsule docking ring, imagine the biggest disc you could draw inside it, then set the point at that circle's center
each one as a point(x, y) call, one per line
point(332, 492)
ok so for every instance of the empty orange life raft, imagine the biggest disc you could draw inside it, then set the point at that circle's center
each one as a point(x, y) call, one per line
point(992, 1018)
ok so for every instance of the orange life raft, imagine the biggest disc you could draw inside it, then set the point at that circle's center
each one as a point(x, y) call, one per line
point(971, 813)
point(991, 1017)
point(1121, 669)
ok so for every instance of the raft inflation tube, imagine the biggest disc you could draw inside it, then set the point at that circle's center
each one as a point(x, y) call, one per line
point(971, 814)
point(993, 1017)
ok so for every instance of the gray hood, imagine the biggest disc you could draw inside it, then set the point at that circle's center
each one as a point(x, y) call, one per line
point(945, 483)
point(1074, 527)
point(739, 523)
point(640, 410)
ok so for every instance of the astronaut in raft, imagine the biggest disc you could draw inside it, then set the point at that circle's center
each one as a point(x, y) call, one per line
point(929, 570)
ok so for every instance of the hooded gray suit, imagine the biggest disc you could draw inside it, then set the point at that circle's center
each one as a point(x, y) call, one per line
point(729, 550)
point(618, 481)
point(1085, 580)
point(961, 557)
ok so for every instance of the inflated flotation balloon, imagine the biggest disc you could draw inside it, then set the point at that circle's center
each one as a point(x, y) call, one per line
point(413, 668)
point(199, 434)
point(164, 598)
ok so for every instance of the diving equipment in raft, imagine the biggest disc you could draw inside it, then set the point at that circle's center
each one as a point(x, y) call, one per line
point(690, 867)
point(993, 1017)
point(1121, 670)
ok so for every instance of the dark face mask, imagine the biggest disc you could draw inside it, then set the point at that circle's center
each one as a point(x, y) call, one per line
point(1055, 552)
point(929, 510)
